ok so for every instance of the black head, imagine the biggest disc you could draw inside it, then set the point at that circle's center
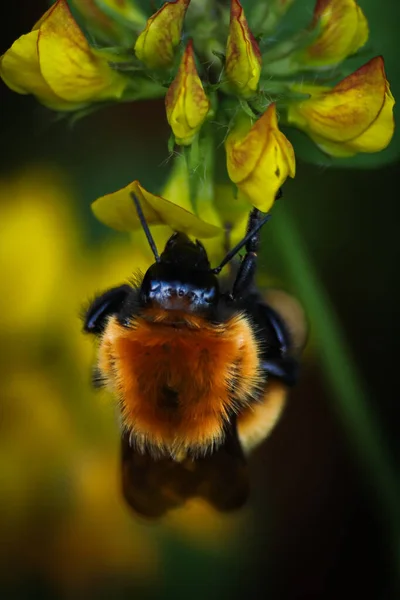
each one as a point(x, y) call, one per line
point(181, 279)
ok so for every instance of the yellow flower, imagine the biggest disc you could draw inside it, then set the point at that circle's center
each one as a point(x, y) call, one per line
point(344, 30)
point(118, 211)
point(354, 116)
point(107, 18)
point(156, 44)
point(259, 158)
point(186, 102)
point(123, 10)
point(243, 57)
point(56, 64)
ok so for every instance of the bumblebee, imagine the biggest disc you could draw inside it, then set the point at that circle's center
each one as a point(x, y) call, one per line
point(200, 365)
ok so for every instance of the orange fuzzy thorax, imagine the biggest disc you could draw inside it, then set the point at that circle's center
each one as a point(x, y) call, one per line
point(178, 377)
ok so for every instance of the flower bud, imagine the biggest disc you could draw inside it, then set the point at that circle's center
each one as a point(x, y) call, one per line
point(243, 57)
point(186, 102)
point(344, 30)
point(259, 158)
point(156, 44)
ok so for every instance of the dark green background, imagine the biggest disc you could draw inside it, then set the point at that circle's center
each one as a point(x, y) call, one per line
point(324, 521)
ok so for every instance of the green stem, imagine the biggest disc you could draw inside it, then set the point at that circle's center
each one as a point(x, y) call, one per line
point(352, 403)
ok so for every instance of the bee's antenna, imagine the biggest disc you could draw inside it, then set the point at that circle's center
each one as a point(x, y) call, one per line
point(145, 226)
point(240, 245)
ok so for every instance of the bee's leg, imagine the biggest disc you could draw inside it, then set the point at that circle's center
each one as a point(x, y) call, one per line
point(102, 307)
point(286, 331)
point(286, 369)
point(245, 276)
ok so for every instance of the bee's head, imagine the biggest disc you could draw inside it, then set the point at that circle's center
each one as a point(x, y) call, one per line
point(181, 279)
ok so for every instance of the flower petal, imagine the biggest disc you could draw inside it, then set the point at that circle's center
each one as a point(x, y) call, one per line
point(68, 64)
point(20, 71)
point(347, 110)
point(156, 45)
point(374, 139)
point(186, 102)
point(260, 161)
point(243, 57)
point(118, 211)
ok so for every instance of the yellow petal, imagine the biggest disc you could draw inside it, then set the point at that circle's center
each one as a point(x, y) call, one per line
point(156, 44)
point(260, 161)
point(118, 211)
point(344, 30)
point(374, 139)
point(19, 69)
point(379, 134)
point(68, 64)
point(186, 102)
point(243, 57)
point(347, 110)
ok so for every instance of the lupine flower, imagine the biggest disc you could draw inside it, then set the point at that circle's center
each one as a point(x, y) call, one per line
point(224, 88)
point(354, 116)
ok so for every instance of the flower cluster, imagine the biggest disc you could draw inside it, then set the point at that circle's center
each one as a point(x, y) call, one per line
point(203, 57)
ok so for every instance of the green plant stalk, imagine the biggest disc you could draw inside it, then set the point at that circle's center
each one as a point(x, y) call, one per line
point(353, 406)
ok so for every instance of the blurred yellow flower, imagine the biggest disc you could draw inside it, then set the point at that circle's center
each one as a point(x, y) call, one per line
point(118, 211)
point(56, 64)
point(63, 517)
point(156, 44)
point(354, 116)
point(243, 57)
point(186, 103)
point(259, 158)
point(344, 30)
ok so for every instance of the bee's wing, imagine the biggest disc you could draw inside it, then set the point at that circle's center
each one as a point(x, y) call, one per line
point(153, 487)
